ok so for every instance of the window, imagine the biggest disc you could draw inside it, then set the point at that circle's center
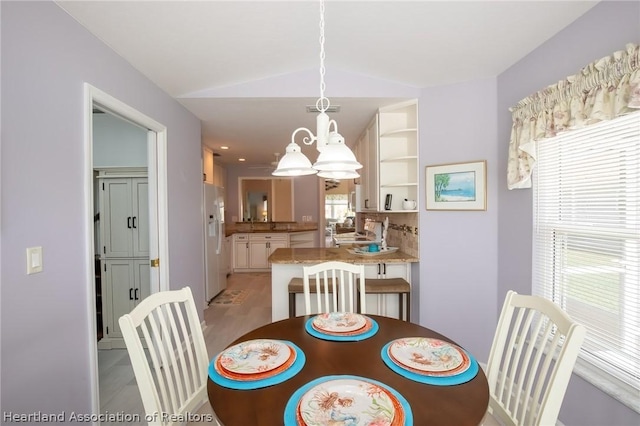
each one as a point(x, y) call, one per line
point(336, 206)
point(586, 240)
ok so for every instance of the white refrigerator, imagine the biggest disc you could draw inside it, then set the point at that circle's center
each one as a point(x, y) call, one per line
point(214, 236)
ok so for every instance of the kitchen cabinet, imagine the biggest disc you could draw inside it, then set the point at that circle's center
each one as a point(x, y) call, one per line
point(262, 245)
point(398, 170)
point(240, 251)
point(252, 251)
point(125, 283)
point(124, 222)
point(367, 155)
point(385, 304)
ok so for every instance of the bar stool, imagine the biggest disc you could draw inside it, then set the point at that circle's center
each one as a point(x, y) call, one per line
point(398, 286)
point(296, 286)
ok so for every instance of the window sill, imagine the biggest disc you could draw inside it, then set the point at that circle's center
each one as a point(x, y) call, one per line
point(608, 384)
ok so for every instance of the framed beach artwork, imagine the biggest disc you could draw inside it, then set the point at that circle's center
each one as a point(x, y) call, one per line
point(457, 186)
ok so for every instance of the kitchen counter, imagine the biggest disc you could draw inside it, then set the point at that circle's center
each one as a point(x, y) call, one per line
point(231, 231)
point(319, 254)
point(287, 263)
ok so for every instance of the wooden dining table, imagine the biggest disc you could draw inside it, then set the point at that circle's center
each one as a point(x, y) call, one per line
point(433, 405)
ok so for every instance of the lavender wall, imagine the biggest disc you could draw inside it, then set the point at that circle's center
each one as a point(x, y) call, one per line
point(458, 249)
point(602, 30)
point(45, 324)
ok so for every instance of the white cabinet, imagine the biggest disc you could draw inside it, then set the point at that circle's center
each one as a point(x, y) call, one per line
point(372, 200)
point(124, 247)
point(252, 251)
point(124, 222)
point(240, 251)
point(261, 246)
point(367, 155)
point(398, 170)
point(385, 304)
point(126, 283)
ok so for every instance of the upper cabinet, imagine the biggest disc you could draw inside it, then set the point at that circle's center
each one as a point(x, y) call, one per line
point(388, 150)
point(398, 155)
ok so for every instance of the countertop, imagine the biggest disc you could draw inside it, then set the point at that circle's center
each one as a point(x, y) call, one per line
point(320, 254)
point(229, 232)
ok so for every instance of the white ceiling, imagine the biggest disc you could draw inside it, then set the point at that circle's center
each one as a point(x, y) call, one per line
point(192, 49)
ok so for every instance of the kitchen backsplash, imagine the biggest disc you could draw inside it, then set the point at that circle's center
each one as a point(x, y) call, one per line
point(402, 232)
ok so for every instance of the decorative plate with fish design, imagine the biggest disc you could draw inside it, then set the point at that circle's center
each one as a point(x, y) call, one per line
point(428, 356)
point(255, 356)
point(349, 402)
point(339, 322)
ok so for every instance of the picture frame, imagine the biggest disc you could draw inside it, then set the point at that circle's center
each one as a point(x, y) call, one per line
point(457, 186)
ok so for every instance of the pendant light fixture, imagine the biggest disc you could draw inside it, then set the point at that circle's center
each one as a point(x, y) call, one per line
point(336, 160)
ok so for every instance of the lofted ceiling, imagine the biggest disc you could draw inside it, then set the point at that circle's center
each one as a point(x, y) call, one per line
point(236, 64)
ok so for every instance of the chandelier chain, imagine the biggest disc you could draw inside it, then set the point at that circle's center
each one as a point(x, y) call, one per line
point(323, 103)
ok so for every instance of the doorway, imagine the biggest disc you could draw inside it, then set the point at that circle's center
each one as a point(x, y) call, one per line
point(95, 99)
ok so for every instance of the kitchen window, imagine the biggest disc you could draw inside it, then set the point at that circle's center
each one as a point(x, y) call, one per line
point(586, 245)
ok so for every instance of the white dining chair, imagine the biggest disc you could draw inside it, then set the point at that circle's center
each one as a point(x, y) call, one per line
point(171, 372)
point(335, 287)
point(532, 356)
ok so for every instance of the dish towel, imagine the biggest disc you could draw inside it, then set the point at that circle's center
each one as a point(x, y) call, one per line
point(292, 405)
point(456, 379)
point(308, 326)
point(263, 383)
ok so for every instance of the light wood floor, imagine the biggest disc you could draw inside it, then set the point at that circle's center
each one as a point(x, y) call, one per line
point(224, 323)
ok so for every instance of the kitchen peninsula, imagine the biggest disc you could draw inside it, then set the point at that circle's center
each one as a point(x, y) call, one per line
point(287, 263)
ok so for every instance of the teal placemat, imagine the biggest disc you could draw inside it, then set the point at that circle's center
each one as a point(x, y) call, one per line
point(292, 404)
point(257, 384)
point(351, 338)
point(456, 379)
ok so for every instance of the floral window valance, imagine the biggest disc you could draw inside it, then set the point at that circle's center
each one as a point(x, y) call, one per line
point(603, 90)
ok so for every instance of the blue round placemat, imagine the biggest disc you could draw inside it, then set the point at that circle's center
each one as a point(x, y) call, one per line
point(263, 383)
point(351, 338)
point(456, 379)
point(292, 405)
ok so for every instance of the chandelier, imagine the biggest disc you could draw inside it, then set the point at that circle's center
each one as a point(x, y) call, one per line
point(336, 160)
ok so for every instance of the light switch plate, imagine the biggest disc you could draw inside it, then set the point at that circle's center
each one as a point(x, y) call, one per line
point(34, 260)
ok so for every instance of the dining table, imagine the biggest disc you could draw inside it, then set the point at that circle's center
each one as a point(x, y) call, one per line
point(430, 402)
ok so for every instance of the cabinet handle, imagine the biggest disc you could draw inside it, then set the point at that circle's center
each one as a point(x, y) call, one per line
point(136, 294)
point(134, 222)
point(130, 294)
point(378, 269)
point(247, 245)
point(129, 222)
point(384, 269)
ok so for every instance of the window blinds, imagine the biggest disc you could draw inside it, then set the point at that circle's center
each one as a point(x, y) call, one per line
point(586, 254)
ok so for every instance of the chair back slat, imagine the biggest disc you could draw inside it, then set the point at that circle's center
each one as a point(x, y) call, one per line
point(334, 287)
point(533, 353)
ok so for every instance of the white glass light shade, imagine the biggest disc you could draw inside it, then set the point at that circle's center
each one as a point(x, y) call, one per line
point(339, 174)
point(294, 163)
point(336, 156)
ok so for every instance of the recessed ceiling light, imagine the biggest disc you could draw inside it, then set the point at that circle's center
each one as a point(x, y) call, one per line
point(241, 159)
point(224, 147)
